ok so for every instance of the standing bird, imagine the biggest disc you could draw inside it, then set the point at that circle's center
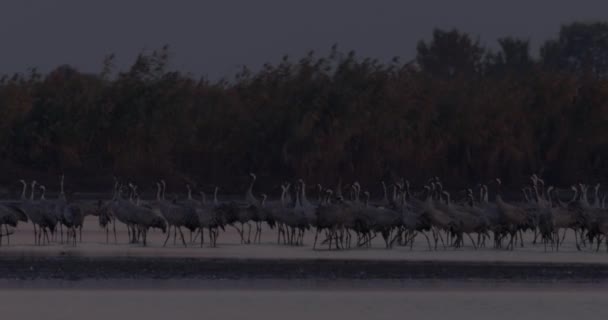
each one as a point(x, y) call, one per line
point(175, 214)
point(512, 216)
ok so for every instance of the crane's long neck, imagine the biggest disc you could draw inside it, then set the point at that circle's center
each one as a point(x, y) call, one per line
point(539, 198)
point(304, 200)
point(164, 185)
point(158, 191)
point(288, 199)
point(115, 193)
point(499, 194)
point(575, 195)
point(485, 194)
point(550, 195)
point(339, 189)
point(394, 192)
point(582, 195)
point(61, 191)
point(33, 190)
point(23, 190)
point(250, 189)
point(215, 201)
point(189, 192)
point(320, 198)
point(283, 193)
point(298, 204)
point(525, 195)
point(385, 198)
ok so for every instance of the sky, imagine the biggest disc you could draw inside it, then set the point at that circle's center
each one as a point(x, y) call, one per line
point(214, 38)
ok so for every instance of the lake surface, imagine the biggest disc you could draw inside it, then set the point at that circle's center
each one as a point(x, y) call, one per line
point(419, 303)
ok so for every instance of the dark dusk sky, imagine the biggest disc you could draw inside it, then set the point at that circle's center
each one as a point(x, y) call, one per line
point(212, 38)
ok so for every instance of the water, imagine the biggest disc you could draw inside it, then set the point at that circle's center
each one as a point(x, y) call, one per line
point(429, 303)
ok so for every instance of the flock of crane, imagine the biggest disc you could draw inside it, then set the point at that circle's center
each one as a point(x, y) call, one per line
point(342, 221)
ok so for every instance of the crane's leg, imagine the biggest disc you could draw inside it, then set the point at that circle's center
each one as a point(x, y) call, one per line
point(114, 227)
point(35, 234)
point(203, 237)
point(175, 235)
point(583, 241)
point(428, 241)
point(168, 235)
point(249, 233)
point(441, 238)
point(472, 241)
point(213, 233)
point(144, 235)
point(182, 236)
point(240, 231)
point(258, 231)
point(46, 235)
point(210, 237)
point(196, 235)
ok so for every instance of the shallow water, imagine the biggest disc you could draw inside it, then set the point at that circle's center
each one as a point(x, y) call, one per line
point(308, 304)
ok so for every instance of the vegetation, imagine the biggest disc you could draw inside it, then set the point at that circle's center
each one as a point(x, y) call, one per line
point(459, 110)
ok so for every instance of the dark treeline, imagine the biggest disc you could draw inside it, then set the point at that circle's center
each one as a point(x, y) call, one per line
point(459, 111)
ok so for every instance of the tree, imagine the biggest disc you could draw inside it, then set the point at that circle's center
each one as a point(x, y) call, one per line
point(581, 48)
point(450, 54)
